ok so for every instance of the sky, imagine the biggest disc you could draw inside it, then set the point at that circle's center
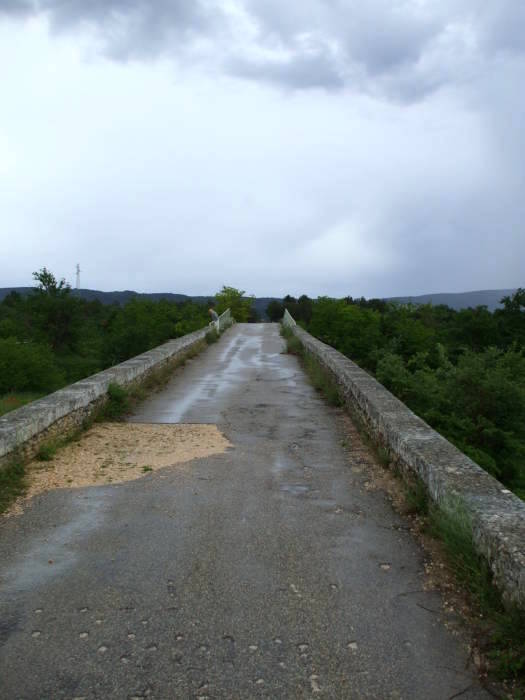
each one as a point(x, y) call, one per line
point(326, 147)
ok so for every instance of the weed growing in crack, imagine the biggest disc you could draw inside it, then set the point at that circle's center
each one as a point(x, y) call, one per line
point(118, 402)
point(47, 451)
point(13, 483)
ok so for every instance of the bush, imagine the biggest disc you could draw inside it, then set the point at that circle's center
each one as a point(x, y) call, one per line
point(47, 451)
point(118, 402)
point(27, 366)
point(234, 299)
point(478, 404)
point(275, 310)
point(212, 336)
point(462, 372)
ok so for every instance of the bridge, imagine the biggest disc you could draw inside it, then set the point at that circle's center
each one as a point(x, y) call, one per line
point(273, 567)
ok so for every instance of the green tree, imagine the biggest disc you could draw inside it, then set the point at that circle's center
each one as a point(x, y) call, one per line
point(234, 299)
point(275, 310)
point(48, 284)
point(353, 330)
point(512, 318)
point(26, 366)
point(462, 371)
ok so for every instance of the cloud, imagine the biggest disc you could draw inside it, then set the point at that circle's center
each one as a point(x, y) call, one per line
point(17, 8)
point(388, 162)
point(125, 29)
point(299, 70)
point(400, 49)
point(501, 27)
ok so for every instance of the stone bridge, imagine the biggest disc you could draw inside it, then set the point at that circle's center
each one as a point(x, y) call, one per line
point(275, 568)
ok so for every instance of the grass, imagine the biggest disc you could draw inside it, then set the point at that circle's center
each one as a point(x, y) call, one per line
point(499, 628)
point(13, 483)
point(47, 450)
point(382, 454)
point(161, 376)
point(452, 525)
point(212, 336)
point(322, 380)
point(12, 401)
point(319, 377)
point(416, 497)
point(117, 404)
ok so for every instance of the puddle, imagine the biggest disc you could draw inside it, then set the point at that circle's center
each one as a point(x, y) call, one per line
point(295, 489)
point(243, 359)
point(325, 504)
point(281, 464)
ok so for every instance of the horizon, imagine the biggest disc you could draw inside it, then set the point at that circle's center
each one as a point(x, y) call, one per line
point(272, 296)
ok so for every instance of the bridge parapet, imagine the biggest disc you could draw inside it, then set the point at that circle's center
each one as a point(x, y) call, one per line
point(225, 320)
point(288, 319)
point(452, 479)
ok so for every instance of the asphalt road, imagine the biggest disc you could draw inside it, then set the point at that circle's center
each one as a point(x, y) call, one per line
point(266, 571)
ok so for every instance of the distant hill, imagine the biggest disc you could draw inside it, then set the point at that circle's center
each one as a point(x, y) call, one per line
point(111, 297)
point(460, 300)
point(123, 297)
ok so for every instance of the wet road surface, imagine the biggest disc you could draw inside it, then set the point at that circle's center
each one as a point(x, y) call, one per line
point(269, 571)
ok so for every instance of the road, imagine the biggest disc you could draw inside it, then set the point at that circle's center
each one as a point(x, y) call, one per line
point(268, 571)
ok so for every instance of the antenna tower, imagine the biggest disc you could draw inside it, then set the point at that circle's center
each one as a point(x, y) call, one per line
point(78, 277)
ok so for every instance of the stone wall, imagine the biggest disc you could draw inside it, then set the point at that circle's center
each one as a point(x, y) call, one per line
point(22, 431)
point(451, 478)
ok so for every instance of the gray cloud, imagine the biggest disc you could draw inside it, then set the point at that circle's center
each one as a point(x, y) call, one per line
point(380, 35)
point(302, 70)
point(501, 27)
point(126, 28)
point(401, 49)
point(16, 7)
point(389, 163)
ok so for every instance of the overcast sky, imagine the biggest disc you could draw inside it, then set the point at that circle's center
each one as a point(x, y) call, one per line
point(321, 146)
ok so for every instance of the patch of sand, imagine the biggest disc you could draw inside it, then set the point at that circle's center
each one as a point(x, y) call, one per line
point(110, 453)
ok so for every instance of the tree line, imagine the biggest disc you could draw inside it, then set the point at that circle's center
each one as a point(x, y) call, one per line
point(462, 371)
point(51, 337)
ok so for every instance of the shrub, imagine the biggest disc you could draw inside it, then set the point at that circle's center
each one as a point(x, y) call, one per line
point(46, 451)
point(27, 366)
point(212, 336)
point(118, 402)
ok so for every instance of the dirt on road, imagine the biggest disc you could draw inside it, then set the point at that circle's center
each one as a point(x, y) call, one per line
point(110, 453)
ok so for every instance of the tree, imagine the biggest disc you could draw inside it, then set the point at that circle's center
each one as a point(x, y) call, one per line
point(275, 310)
point(47, 283)
point(516, 302)
point(234, 299)
point(55, 316)
point(27, 367)
point(511, 318)
point(304, 309)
